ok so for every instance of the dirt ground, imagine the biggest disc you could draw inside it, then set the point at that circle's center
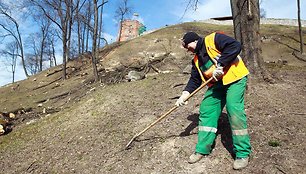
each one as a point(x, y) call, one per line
point(86, 125)
point(89, 137)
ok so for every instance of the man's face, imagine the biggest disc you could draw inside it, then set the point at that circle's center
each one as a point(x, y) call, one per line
point(191, 46)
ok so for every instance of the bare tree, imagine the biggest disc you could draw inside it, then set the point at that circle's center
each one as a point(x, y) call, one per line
point(101, 21)
point(121, 12)
point(300, 27)
point(246, 19)
point(31, 62)
point(52, 51)
point(10, 25)
point(263, 12)
point(88, 25)
point(76, 6)
point(78, 20)
point(11, 53)
point(60, 12)
point(96, 35)
point(83, 20)
point(33, 55)
point(44, 30)
point(70, 5)
point(49, 46)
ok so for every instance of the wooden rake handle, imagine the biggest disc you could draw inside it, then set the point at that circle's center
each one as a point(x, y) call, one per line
point(167, 113)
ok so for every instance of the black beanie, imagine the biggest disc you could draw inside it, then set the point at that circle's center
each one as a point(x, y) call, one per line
point(190, 37)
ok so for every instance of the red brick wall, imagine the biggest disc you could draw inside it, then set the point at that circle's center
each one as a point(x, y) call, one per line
point(129, 30)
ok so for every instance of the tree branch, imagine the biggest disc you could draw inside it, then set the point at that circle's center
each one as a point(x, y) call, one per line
point(102, 4)
point(47, 14)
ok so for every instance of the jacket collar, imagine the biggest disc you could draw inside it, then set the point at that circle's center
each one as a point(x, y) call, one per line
point(200, 48)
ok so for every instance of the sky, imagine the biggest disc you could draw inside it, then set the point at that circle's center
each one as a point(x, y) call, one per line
point(156, 14)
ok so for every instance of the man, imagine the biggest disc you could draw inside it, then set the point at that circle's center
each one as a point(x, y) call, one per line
point(217, 56)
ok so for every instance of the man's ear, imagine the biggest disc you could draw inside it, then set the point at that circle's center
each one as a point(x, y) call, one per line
point(182, 42)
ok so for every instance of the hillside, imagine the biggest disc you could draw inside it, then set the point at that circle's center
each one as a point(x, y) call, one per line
point(76, 126)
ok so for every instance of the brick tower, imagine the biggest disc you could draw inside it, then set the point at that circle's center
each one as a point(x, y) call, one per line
point(129, 29)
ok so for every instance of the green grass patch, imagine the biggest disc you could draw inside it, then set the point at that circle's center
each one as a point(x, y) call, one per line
point(274, 143)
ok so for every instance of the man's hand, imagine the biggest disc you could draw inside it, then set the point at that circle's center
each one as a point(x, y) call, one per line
point(183, 97)
point(218, 72)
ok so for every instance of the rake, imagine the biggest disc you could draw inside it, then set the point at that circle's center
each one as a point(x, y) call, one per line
point(167, 113)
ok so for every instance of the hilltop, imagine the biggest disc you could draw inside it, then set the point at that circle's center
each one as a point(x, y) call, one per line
point(77, 126)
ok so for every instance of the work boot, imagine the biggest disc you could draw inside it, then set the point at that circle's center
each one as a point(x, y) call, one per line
point(241, 163)
point(195, 157)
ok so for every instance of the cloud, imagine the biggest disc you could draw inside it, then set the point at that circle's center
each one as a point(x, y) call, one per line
point(205, 10)
point(6, 75)
point(138, 18)
point(284, 9)
point(17, 11)
point(110, 38)
point(212, 8)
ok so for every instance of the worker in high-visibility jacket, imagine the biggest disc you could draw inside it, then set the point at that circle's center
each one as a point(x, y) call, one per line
point(217, 56)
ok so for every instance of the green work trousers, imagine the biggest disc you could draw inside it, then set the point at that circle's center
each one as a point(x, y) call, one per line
point(216, 97)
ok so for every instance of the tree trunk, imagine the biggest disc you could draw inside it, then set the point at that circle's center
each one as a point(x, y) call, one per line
point(23, 62)
point(236, 20)
point(53, 53)
point(79, 37)
point(42, 46)
point(100, 23)
point(22, 53)
point(64, 55)
point(14, 61)
point(41, 56)
point(78, 27)
point(300, 27)
point(69, 27)
point(83, 38)
point(120, 30)
point(94, 42)
point(88, 25)
point(36, 61)
point(13, 71)
point(246, 16)
point(50, 58)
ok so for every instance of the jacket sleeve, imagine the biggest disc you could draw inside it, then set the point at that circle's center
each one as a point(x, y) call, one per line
point(194, 80)
point(229, 48)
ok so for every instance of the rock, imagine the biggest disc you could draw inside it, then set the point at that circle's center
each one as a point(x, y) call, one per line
point(15, 87)
point(84, 74)
point(100, 68)
point(166, 72)
point(12, 115)
point(3, 125)
point(2, 131)
point(40, 105)
point(92, 89)
point(282, 62)
point(135, 75)
point(31, 122)
point(157, 40)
